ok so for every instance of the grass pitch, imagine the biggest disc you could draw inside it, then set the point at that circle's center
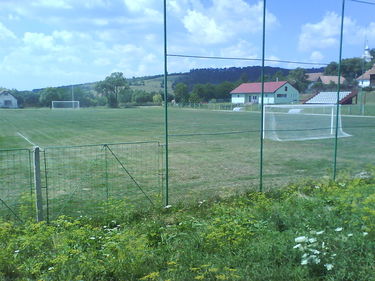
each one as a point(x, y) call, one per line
point(210, 152)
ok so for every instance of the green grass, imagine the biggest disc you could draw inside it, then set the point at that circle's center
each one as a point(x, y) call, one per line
point(253, 236)
point(203, 162)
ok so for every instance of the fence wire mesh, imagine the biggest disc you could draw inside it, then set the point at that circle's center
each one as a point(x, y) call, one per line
point(79, 180)
point(16, 193)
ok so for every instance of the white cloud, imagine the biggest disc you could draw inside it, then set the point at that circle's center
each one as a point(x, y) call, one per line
point(203, 28)
point(38, 40)
point(326, 33)
point(221, 21)
point(58, 4)
point(138, 5)
point(243, 49)
point(5, 33)
point(316, 56)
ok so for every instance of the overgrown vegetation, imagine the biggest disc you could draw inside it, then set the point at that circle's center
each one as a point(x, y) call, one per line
point(307, 231)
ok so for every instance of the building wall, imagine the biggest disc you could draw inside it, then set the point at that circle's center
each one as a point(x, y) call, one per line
point(8, 101)
point(238, 98)
point(286, 94)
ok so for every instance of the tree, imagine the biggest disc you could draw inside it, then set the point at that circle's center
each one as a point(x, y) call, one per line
point(181, 93)
point(157, 99)
point(111, 86)
point(298, 79)
point(48, 95)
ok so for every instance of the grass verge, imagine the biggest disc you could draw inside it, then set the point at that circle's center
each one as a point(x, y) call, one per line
point(306, 231)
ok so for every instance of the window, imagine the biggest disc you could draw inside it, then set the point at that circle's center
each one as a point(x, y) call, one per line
point(286, 88)
point(7, 102)
point(255, 97)
point(281, 95)
point(238, 96)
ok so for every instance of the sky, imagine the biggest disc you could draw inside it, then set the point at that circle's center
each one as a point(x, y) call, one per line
point(49, 43)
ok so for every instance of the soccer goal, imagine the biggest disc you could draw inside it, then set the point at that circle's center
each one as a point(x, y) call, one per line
point(65, 105)
point(301, 122)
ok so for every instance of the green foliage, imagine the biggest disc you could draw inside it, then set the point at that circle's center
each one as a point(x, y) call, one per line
point(48, 95)
point(181, 93)
point(309, 231)
point(298, 79)
point(111, 86)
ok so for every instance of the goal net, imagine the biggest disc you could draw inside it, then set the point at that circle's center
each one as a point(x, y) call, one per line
point(65, 104)
point(301, 122)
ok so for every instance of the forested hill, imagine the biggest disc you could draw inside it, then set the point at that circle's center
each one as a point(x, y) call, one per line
point(233, 74)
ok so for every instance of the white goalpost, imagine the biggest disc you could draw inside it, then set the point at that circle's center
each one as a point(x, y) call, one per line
point(65, 105)
point(301, 122)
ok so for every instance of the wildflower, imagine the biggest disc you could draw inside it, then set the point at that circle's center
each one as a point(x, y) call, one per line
point(315, 252)
point(168, 206)
point(317, 186)
point(300, 239)
point(328, 266)
point(312, 240)
point(304, 262)
point(350, 234)
point(17, 251)
point(320, 232)
point(338, 229)
point(298, 246)
point(365, 233)
point(50, 268)
point(92, 238)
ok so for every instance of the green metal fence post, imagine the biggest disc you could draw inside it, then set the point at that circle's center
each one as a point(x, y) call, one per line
point(338, 92)
point(166, 195)
point(262, 102)
point(38, 185)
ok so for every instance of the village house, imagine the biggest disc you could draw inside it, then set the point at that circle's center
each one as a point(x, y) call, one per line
point(7, 100)
point(281, 92)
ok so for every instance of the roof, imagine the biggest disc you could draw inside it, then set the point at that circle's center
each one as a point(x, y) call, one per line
point(366, 75)
point(269, 87)
point(313, 77)
point(329, 97)
point(326, 79)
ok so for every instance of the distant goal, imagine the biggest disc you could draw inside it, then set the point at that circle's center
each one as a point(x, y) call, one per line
point(65, 105)
point(301, 122)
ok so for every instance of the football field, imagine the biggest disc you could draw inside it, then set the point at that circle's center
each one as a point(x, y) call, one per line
point(210, 152)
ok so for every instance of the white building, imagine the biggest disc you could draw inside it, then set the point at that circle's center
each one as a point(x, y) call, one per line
point(368, 78)
point(7, 100)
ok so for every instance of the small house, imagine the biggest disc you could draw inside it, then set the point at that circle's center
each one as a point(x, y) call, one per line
point(7, 100)
point(280, 92)
point(367, 79)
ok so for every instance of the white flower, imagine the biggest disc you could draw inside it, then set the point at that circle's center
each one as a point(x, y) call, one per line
point(328, 266)
point(17, 251)
point(50, 268)
point(92, 238)
point(350, 234)
point(365, 233)
point(338, 229)
point(320, 232)
point(168, 206)
point(298, 246)
point(312, 240)
point(304, 262)
point(317, 186)
point(316, 252)
point(300, 239)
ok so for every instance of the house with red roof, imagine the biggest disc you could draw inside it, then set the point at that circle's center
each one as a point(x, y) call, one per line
point(274, 93)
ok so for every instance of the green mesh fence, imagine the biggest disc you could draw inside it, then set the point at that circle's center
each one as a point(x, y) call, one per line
point(16, 193)
point(78, 180)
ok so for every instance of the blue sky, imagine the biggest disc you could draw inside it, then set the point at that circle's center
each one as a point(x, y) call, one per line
point(58, 42)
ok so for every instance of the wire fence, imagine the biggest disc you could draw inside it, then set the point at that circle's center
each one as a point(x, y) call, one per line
point(78, 180)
